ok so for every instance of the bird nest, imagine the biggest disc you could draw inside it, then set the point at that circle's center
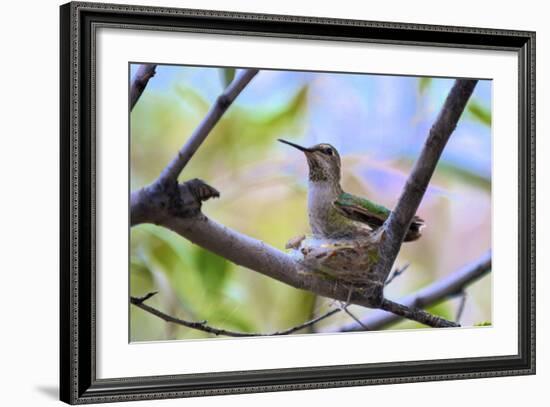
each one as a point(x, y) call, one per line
point(348, 261)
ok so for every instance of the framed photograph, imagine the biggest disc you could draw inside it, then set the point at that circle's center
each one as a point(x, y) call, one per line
point(255, 203)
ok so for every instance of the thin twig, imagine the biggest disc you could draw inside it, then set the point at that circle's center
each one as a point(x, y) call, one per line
point(344, 306)
point(173, 170)
point(461, 306)
point(139, 82)
point(203, 326)
point(396, 273)
point(141, 300)
point(398, 222)
point(350, 314)
point(308, 323)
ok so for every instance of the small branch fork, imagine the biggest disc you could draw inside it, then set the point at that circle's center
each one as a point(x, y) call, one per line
point(173, 170)
point(445, 288)
point(396, 273)
point(350, 314)
point(178, 207)
point(185, 200)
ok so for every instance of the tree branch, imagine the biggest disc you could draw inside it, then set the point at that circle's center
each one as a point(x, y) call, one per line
point(177, 207)
point(430, 295)
point(173, 170)
point(203, 326)
point(262, 258)
point(397, 224)
point(143, 74)
point(144, 202)
point(450, 285)
point(416, 314)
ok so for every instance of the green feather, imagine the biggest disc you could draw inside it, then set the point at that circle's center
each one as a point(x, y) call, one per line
point(374, 215)
point(352, 202)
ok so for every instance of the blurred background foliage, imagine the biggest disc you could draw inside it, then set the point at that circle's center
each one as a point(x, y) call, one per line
point(378, 123)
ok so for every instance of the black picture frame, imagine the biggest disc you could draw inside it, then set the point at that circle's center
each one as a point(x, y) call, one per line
point(78, 382)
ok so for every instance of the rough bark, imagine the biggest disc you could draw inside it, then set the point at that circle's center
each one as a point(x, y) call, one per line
point(139, 82)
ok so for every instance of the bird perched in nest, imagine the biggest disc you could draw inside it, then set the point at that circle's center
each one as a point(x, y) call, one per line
point(333, 213)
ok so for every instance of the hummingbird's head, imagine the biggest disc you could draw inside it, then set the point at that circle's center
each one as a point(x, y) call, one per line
point(323, 161)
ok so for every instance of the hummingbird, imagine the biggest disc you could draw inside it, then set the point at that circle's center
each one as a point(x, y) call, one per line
point(336, 214)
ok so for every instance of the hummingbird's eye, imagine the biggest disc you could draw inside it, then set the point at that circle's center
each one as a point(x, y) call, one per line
point(328, 151)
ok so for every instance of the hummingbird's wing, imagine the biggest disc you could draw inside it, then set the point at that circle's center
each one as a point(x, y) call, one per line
point(361, 210)
point(365, 211)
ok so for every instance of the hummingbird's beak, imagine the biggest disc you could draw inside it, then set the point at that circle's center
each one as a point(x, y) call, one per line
point(305, 150)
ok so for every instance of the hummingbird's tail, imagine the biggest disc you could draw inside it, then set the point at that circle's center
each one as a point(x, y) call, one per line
point(415, 230)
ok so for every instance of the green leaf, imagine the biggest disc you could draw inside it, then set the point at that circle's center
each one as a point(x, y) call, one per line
point(228, 74)
point(484, 323)
point(141, 279)
point(479, 112)
point(456, 172)
point(154, 246)
point(213, 269)
point(465, 175)
point(424, 84)
point(179, 247)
